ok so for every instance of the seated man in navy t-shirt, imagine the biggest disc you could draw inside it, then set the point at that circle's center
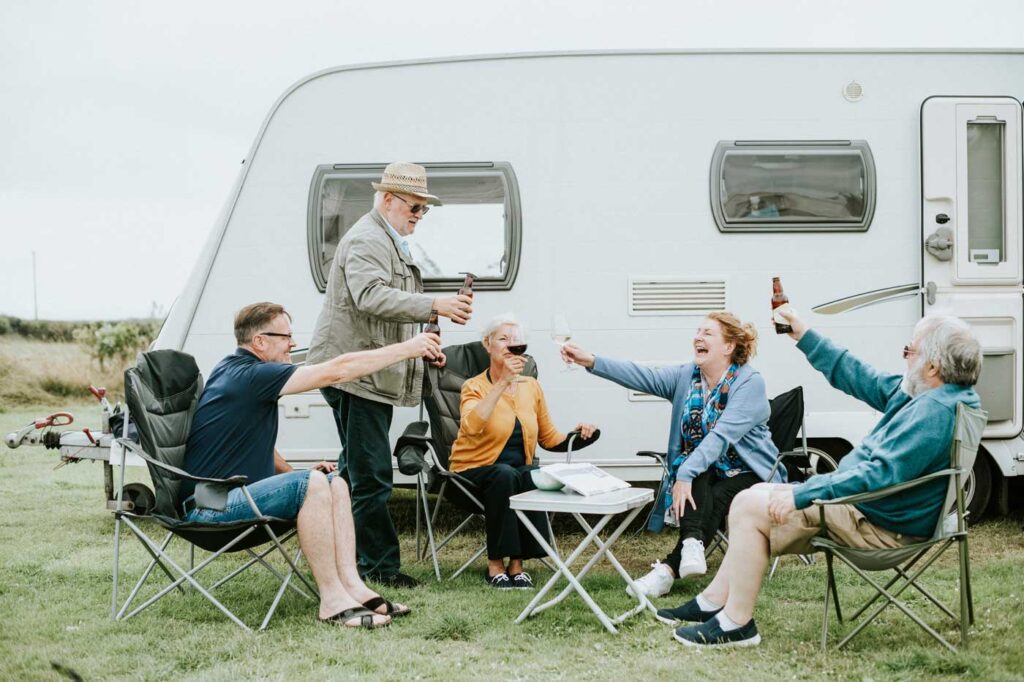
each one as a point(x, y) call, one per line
point(234, 431)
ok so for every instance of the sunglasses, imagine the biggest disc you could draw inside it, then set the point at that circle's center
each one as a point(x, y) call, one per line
point(908, 351)
point(414, 208)
point(283, 336)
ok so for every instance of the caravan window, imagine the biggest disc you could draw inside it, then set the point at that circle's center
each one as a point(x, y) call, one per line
point(477, 230)
point(792, 186)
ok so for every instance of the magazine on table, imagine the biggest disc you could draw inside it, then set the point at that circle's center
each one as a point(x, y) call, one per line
point(584, 478)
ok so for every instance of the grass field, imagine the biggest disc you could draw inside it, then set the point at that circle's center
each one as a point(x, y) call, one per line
point(56, 549)
point(36, 372)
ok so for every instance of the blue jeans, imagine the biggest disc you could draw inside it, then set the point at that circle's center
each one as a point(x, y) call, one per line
point(280, 496)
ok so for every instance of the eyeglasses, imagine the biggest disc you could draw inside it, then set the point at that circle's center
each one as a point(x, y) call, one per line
point(908, 351)
point(283, 336)
point(414, 208)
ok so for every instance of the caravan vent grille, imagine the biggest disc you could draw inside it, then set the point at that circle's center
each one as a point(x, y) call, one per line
point(675, 296)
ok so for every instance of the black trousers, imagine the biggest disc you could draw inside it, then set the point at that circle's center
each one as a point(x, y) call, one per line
point(506, 536)
point(365, 464)
point(713, 496)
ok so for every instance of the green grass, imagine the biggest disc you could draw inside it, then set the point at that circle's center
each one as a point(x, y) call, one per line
point(55, 562)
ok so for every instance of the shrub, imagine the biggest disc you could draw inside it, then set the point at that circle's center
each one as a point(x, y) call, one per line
point(118, 341)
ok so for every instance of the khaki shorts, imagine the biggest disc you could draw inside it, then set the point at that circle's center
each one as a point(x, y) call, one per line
point(846, 525)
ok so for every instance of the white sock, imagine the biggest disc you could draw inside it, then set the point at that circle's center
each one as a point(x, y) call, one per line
point(726, 623)
point(705, 604)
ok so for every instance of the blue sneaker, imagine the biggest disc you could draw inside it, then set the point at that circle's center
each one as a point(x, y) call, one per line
point(522, 581)
point(499, 581)
point(686, 613)
point(711, 634)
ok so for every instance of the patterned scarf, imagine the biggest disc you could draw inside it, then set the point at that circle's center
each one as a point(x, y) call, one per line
point(702, 415)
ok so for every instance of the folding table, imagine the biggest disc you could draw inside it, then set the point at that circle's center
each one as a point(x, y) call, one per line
point(605, 505)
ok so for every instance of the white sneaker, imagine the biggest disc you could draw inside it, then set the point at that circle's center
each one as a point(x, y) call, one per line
point(657, 583)
point(692, 561)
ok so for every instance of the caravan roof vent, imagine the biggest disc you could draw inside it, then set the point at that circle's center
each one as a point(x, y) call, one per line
point(675, 296)
point(853, 91)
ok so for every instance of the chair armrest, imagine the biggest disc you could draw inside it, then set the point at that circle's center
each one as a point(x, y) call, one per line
point(411, 449)
point(573, 439)
point(885, 492)
point(136, 449)
point(660, 456)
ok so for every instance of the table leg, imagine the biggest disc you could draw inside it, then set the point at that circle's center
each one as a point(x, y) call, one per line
point(644, 603)
point(563, 569)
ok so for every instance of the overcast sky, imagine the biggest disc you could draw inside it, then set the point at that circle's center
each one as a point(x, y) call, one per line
point(122, 124)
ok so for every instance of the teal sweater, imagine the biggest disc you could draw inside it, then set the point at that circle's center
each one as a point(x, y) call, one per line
point(912, 439)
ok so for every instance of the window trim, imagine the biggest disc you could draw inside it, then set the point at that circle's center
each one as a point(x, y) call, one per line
point(513, 221)
point(782, 225)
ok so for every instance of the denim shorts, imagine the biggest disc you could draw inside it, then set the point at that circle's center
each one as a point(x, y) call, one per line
point(280, 496)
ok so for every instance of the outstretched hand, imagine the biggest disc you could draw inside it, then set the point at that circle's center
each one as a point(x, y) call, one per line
point(575, 354)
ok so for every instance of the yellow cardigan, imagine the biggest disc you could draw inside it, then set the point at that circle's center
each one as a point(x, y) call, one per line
point(480, 442)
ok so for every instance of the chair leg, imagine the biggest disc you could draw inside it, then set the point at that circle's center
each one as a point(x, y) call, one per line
point(966, 612)
point(421, 494)
point(117, 564)
point(479, 553)
point(832, 583)
point(828, 596)
point(966, 569)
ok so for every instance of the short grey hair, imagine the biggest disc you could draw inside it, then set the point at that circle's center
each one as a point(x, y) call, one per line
point(499, 321)
point(949, 344)
point(378, 199)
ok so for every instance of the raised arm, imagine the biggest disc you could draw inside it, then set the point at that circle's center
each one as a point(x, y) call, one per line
point(843, 370)
point(660, 381)
point(351, 366)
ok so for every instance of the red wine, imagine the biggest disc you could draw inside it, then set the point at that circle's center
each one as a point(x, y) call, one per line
point(517, 349)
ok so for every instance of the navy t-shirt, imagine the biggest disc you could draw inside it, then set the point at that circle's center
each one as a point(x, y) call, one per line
point(235, 425)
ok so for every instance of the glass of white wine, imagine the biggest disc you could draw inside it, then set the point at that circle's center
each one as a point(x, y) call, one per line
point(560, 334)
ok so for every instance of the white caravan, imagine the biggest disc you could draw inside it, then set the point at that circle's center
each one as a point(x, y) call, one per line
point(635, 191)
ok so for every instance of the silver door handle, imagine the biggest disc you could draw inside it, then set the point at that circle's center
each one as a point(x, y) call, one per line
point(940, 244)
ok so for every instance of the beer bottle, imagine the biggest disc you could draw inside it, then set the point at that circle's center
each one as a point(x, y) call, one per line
point(779, 299)
point(467, 284)
point(432, 327)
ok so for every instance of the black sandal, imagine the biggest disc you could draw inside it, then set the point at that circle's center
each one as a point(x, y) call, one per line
point(365, 619)
point(393, 611)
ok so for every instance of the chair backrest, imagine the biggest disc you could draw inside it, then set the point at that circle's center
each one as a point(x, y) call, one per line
point(970, 424)
point(162, 391)
point(786, 418)
point(443, 395)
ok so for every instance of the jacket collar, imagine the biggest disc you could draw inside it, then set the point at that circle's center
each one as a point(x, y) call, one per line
point(388, 230)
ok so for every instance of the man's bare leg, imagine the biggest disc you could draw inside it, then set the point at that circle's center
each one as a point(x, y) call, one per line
point(317, 540)
point(738, 580)
point(345, 544)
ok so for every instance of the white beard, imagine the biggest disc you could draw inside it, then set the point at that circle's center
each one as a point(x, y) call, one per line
point(913, 383)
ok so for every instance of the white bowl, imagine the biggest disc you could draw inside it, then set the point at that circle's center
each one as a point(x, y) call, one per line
point(545, 481)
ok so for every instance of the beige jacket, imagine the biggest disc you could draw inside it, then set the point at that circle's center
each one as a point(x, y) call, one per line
point(373, 299)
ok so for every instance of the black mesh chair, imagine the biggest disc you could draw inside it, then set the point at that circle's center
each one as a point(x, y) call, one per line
point(162, 392)
point(426, 455)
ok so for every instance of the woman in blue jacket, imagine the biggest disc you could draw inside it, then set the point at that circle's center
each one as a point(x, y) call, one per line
point(718, 442)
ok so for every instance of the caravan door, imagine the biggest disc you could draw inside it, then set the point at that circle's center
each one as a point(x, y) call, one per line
point(971, 230)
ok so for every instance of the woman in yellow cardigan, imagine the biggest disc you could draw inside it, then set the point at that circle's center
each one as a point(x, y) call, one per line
point(504, 416)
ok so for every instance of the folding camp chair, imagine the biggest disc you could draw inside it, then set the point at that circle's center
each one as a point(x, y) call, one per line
point(951, 527)
point(426, 456)
point(162, 392)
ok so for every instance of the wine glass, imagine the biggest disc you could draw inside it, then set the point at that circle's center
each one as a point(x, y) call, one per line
point(517, 346)
point(560, 334)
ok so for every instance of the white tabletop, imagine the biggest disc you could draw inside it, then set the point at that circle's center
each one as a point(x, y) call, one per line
point(614, 502)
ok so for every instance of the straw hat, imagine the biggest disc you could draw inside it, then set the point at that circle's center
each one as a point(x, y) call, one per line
point(406, 178)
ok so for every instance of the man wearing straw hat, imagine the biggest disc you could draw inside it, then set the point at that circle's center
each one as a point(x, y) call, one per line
point(374, 298)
